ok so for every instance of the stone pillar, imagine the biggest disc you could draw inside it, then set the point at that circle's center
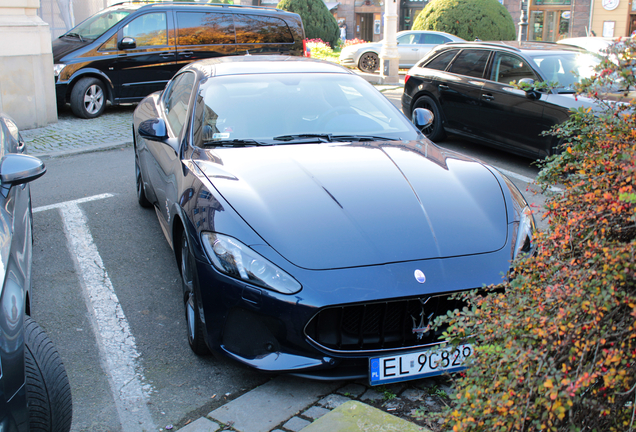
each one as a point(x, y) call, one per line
point(389, 56)
point(27, 87)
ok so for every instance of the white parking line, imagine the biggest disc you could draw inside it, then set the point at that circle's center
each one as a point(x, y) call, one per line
point(117, 346)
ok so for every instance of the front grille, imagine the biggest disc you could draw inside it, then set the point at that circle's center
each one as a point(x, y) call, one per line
point(379, 325)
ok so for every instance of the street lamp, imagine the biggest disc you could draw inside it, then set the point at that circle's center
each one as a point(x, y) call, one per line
point(523, 22)
point(389, 55)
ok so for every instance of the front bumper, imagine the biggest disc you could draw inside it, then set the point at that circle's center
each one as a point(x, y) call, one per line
point(273, 332)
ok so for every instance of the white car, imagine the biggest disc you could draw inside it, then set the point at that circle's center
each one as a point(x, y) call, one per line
point(412, 46)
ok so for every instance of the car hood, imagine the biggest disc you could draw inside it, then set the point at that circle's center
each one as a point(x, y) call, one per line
point(326, 206)
point(63, 46)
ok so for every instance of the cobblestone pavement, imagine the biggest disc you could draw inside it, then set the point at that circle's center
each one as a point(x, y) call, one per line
point(72, 135)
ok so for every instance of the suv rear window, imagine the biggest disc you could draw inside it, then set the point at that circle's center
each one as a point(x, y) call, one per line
point(471, 63)
point(261, 29)
point(441, 61)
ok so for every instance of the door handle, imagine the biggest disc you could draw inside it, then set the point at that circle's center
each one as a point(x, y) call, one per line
point(166, 55)
point(443, 87)
point(488, 97)
point(186, 53)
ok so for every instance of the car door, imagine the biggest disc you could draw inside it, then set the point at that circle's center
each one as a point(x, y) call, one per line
point(511, 118)
point(460, 89)
point(146, 58)
point(202, 35)
point(164, 165)
point(15, 259)
point(408, 49)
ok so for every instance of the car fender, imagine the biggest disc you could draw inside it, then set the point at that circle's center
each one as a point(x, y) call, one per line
point(90, 72)
point(360, 52)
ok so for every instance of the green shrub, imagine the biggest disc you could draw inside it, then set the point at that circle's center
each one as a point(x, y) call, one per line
point(486, 20)
point(317, 20)
point(557, 350)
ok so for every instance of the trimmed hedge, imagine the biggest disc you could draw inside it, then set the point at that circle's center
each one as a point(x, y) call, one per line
point(557, 351)
point(486, 20)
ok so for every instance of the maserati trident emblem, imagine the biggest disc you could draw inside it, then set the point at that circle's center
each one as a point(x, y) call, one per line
point(420, 276)
point(422, 328)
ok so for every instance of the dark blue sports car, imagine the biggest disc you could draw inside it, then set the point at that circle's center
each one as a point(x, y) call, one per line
point(317, 231)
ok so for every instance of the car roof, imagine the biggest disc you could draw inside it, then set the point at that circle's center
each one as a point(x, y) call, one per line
point(515, 46)
point(267, 64)
point(141, 4)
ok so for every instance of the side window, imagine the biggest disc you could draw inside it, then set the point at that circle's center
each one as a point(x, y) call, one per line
point(407, 39)
point(261, 29)
point(110, 44)
point(441, 61)
point(148, 30)
point(508, 67)
point(176, 101)
point(471, 63)
point(204, 28)
point(433, 39)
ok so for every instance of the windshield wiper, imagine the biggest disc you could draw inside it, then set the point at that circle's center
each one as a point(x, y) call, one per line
point(302, 136)
point(362, 138)
point(75, 35)
point(332, 138)
point(234, 143)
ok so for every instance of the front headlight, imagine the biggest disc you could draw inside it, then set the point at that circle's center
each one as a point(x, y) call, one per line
point(57, 69)
point(524, 233)
point(524, 226)
point(233, 258)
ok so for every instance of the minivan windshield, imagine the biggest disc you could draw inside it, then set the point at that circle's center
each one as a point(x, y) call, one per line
point(97, 25)
point(566, 68)
point(294, 107)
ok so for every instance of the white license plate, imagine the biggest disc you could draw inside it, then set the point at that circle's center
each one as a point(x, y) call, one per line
point(418, 364)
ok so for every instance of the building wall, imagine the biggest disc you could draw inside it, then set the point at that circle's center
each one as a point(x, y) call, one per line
point(27, 89)
point(616, 19)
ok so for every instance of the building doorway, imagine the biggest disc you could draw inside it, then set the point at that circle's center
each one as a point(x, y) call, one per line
point(549, 25)
point(364, 26)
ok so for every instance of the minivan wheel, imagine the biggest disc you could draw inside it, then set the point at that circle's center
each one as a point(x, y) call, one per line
point(435, 131)
point(369, 62)
point(88, 98)
point(47, 386)
point(196, 332)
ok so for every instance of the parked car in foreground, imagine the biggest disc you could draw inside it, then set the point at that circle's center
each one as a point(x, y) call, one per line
point(34, 390)
point(412, 46)
point(129, 50)
point(317, 231)
point(468, 88)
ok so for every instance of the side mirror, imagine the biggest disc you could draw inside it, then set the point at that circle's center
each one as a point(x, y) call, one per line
point(527, 85)
point(422, 118)
point(127, 43)
point(153, 129)
point(17, 169)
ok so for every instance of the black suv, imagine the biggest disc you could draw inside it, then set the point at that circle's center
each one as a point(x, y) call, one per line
point(130, 50)
point(467, 86)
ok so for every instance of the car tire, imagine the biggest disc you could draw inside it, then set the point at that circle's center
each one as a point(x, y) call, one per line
point(369, 62)
point(141, 194)
point(195, 327)
point(47, 386)
point(88, 98)
point(434, 132)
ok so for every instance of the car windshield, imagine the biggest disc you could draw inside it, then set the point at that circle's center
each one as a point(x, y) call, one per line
point(289, 107)
point(96, 25)
point(566, 68)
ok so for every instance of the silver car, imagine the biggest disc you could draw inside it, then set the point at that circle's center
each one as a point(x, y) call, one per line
point(412, 46)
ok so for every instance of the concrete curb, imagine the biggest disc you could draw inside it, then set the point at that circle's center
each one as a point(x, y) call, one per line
point(79, 151)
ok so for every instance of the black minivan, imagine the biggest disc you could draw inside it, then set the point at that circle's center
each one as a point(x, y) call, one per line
point(132, 49)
